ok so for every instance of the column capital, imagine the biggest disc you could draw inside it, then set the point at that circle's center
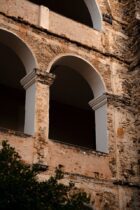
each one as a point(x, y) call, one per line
point(98, 102)
point(44, 77)
point(37, 75)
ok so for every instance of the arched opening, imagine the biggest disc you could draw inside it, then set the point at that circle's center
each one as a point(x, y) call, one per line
point(71, 119)
point(76, 10)
point(12, 95)
point(17, 106)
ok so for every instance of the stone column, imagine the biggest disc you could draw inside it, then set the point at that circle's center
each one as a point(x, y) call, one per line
point(31, 84)
point(99, 105)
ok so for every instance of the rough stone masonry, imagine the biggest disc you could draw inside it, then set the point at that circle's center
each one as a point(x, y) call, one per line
point(112, 178)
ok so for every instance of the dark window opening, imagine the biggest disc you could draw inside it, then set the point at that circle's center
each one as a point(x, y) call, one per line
point(71, 120)
point(12, 95)
point(73, 9)
point(12, 108)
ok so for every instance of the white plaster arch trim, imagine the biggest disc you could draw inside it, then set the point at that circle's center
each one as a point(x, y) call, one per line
point(99, 103)
point(95, 14)
point(21, 48)
point(83, 67)
point(28, 59)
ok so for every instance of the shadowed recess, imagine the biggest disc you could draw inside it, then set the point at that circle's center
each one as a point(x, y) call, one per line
point(73, 9)
point(71, 119)
point(12, 94)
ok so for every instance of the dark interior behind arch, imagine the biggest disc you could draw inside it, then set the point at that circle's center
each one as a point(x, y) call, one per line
point(73, 9)
point(12, 95)
point(71, 120)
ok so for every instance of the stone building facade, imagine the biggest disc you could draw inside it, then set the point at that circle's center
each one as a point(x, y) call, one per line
point(69, 89)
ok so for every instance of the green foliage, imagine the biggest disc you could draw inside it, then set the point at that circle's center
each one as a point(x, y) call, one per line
point(20, 189)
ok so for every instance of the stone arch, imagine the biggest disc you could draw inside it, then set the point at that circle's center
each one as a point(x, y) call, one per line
point(85, 68)
point(84, 11)
point(97, 86)
point(95, 13)
point(24, 54)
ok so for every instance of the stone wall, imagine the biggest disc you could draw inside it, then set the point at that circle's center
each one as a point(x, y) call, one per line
point(113, 178)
